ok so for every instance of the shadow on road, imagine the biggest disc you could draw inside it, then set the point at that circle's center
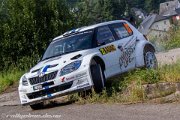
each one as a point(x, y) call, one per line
point(53, 104)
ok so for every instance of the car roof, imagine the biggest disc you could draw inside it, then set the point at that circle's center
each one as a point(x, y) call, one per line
point(85, 28)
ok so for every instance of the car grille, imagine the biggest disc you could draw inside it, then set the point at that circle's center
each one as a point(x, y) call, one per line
point(50, 90)
point(46, 77)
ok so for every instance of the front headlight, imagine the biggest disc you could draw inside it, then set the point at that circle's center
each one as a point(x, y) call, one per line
point(24, 81)
point(70, 67)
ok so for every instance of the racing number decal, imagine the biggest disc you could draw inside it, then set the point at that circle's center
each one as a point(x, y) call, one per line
point(107, 49)
point(128, 28)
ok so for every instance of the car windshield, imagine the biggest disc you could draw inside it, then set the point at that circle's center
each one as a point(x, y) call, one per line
point(69, 44)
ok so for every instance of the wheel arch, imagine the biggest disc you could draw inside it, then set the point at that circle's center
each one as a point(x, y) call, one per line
point(149, 46)
point(140, 47)
point(99, 60)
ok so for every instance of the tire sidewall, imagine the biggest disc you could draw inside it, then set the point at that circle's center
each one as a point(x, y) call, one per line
point(150, 51)
point(98, 78)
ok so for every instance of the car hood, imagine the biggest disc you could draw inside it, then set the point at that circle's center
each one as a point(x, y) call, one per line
point(56, 63)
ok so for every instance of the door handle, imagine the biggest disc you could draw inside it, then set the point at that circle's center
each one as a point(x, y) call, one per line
point(137, 40)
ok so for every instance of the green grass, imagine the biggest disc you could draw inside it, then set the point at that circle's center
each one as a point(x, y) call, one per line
point(9, 78)
point(172, 41)
point(128, 88)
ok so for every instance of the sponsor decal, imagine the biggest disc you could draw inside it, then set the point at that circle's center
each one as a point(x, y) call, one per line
point(126, 53)
point(81, 86)
point(80, 81)
point(126, 58)
point(70, 78)
point(81, 75)
point(78, 76)
point(107, 49)
point(62, 80)
point(24, 101)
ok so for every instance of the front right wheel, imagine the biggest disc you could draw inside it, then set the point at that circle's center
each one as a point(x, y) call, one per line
point(37, 106)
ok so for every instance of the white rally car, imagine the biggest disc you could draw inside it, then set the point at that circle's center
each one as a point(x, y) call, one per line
point(84, 58)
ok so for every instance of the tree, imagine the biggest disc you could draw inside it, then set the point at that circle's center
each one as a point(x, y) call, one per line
point(28, 29)
point(91, 12)
point(153, 5)
point(119, 8)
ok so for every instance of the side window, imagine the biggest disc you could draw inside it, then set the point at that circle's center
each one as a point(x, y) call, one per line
point(104, 35)
point(121, 30)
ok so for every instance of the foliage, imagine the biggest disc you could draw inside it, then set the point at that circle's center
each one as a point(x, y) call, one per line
point(93, 11)
point(171, 41)
point(27, 29)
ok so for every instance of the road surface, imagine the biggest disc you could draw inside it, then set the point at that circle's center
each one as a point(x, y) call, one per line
point(95, 112)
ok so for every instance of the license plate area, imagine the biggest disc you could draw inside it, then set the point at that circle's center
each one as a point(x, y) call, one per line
point(44, 85)
point(37, 87)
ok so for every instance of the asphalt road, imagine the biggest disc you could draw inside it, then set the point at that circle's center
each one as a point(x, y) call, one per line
point(10, 109)
point(95, 112)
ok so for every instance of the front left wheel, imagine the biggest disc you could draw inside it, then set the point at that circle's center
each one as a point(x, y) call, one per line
point(98, 77)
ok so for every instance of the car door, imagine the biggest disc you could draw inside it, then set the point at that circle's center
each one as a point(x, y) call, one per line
point(107, 45)
point(126, 43)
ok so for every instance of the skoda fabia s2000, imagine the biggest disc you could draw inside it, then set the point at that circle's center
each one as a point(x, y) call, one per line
point(84, 58)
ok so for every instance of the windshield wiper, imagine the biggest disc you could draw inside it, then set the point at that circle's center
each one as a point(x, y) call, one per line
point(75, 50)
point(51, 57)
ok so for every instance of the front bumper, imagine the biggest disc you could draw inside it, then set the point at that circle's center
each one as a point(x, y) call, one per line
point(73, 82)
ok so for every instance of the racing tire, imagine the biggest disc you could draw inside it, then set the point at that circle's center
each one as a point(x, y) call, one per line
point(37, 106)
point(98, 78)
point(150, 59)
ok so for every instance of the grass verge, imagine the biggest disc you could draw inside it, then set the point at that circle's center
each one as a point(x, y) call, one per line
point(172, 41)
point(128, 88)
point(9, 78)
